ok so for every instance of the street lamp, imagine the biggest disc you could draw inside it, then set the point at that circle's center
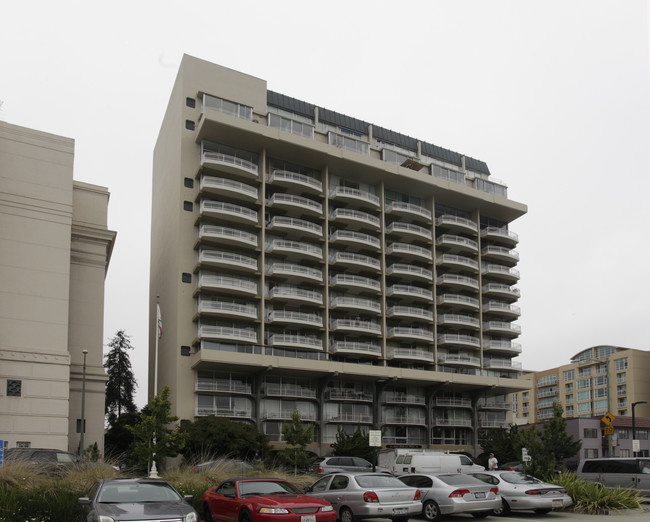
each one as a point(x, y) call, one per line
point(83, 405)
point(634, 404)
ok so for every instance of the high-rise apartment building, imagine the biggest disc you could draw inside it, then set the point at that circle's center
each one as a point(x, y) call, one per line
point(599, 380)
point(304, 259)
point(55, 248)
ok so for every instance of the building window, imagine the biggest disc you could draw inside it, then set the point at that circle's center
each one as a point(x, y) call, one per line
point(79, 425)
point(188, 182)
point(620, 364)
point(622, 412)
point(568, 388)
point(590, 433)
point(621, 377)
point(600, 405)
point(600, 381)
point(190, 102)
point(186, 278)
point(234, 109)
point(623, 433)
point(569, 410)
point(14, 388)
point(189, 125)
point(584, 383)
point(524, 396)
point(584, 395)
point(625, 453)
point(591, 453)
point(622, 402)
point(584, 407)
point(23, 444)
point(621, 390)
point(569, 399)
point(185, 351)
point(599, 393)
point(584, 372)
point(188, 206)
point(569, 375)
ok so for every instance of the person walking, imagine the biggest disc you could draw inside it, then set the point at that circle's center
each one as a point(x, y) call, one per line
point(493, 463)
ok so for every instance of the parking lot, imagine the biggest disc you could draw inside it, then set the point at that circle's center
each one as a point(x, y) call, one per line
point(642, 515)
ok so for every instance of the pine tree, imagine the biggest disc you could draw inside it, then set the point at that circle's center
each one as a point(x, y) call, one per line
point(298, 436)
point(121, 381)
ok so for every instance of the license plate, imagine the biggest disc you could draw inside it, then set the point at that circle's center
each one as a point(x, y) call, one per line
point(479, 494)
point(557, 502)
point(399, 511)
point(308, 518)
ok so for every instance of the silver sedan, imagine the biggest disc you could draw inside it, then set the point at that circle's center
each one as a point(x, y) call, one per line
point(367, 495)
point(521, 492)
point(444, 494)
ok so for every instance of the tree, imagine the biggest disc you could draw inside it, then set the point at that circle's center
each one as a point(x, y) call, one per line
point(213, 436)
point(119, 442)
point(557, 443)
point(355, 445)
point(154, 438)
point(121, 381)
point(298, 436)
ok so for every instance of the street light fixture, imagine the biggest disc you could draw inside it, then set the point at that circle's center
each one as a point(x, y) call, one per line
point(83, 405)
point(634, 404)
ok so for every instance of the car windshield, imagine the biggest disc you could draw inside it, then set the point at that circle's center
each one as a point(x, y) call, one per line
point(133, 492)
point(459, 479)
point(249, 488)
point(519, 478)
point(378, 481)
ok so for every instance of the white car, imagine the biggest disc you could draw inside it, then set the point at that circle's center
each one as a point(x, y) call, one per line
point(521, 492)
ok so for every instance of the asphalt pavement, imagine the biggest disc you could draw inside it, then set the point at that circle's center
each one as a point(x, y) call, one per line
point(630, 515)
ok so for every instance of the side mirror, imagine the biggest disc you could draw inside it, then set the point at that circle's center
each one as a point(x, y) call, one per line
point(84, 501)
point(188, 498)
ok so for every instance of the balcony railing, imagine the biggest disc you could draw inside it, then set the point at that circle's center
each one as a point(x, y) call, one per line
point(505, 346)
point(458, 319)
point(356, 347)
point(457, 299)
point(295, 317)
point(401, 207)
point(349, 395)
point(496, 306)
point(500, 233)
point(457, 280)
point(347, 214)
point(449, 358)
point(227, 332)
point(360, 326)
point(355, 259)
point(207, 306)
point(408, 229)
point(408, 290)
point(223, 185)
point(417, 333)
point(403, 419)
point(228, 234)
point(453, 402)
point(457, 241)
point(404, 398)
point(221, 386)
point(354, 280)
point(226, 282)
point(349, 417)
point(410, 250)
point(410, 353)
point(229, 159)
point(290, 223)
point(223, 412)
point(220, 257)
point(302, 341)
point(502, 327)
point(459, 339)
point(352, 193)
point(409, 270)
point(229, 209)
point(281, 199)
point(452, 259)
point(296, 178)
point(439, 421)
point(294, 269)
point(354, 303)
point(296, 293)
point(500, 252)
point(502, 364)
point(355, 237)
point(410, 311)
point(295, 247)
point(457, 222)
point(294, 390)
point(495, 288)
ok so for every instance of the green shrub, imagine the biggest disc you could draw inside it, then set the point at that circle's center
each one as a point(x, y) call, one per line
point(590, 497)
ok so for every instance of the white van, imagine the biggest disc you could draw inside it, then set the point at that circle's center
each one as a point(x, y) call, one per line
point(435, 463)
point(613, 472)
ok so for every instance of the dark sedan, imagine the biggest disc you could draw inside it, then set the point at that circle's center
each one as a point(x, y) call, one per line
point(136, 500)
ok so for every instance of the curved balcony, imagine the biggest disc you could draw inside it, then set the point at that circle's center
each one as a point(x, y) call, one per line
point(465, 341)
point(394, 418)
point(411, 354)
point(441, 421)
point(356, 418)
point(230, 163)
point(459, 321)
point(503, 291)
point(458, 281)
point(355, 217)
point(416, 334)
point(456, 223)
point(493, 403)
point(499, 308)
point(290, 293)
point(409, 271)
point(501, 272)
point(501, 254)
point(220, 258)
point(457, 300)
point(350, 237)
point(221, 386)
point(224, 186)
point(501, 364)
point(494, 423)
point(227, 284)
point(355, 348)
point(501, 328)
point(453, 402)
point(224, 412)
point(408, 209)
point(294, 249)
point(290, 201)
point(501, 347)
point(355, 303)
point(293, 390)
point(353, 195)
point(414, 292)
point(290, 317)
point(412, 312)
point(404, 398)
point(227, 235)
point(452, 359)
point(227, 333)
point(333, 394)
point(454, 243)
point(408, 231)
point(352, 259)
point(287, 415)
point(295, 341)
point(292, 270)
point(410, 251)
point(227, 309)
point(228, 212)
point(287, 178)
point(293, 225)
point(500, 235)
point(458, 262)
point(350, 325)
point(355, 281)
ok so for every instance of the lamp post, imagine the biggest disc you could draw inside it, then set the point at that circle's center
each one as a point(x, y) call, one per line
point(83, 405)
point(634, 405)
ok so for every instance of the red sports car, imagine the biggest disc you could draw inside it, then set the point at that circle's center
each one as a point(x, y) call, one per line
point(263, 500)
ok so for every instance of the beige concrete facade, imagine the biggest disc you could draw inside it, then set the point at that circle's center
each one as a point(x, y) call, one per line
point(305, 259)
point(598, 380)
point(54, 252)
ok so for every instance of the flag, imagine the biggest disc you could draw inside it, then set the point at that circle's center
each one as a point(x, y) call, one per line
point(159, 322)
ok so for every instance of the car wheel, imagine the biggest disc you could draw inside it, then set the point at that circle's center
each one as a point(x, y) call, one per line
point(430, 511)
point(245, 516)
point(503, 510)
point(345, 515)
point(542, 511)
point(481, 514)
point(207, 516)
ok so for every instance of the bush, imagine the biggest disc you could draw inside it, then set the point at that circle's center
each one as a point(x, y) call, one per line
point(592, 498)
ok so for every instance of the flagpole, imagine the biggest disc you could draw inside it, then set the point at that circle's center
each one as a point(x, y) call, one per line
point(155, 367)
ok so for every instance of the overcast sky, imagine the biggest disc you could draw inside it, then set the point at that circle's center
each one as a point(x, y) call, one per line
point(553, 94)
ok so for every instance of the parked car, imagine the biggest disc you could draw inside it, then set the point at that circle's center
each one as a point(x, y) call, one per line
point(435, 463)
point(521, 492)
point(512, 466)
point(336, 464)
point(234, 465)
point(367, 495)
point(451, 493)
point(46, 460)
point(627, 473)
point(263, 500)
point(136, 499)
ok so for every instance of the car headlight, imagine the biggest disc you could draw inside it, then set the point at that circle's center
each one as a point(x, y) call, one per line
point(274, 511)
point(326, 508)
point(104, 518)
point(191, 517)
